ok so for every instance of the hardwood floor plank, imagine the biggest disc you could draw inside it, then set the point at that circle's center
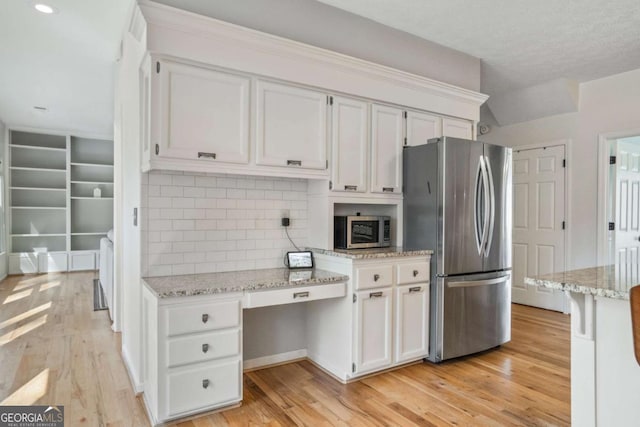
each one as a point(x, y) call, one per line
point(55, 349)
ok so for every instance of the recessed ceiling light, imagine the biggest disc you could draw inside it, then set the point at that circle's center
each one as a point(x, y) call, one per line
point(44, 8)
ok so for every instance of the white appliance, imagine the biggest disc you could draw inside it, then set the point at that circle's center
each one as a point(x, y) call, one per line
point(106, 269)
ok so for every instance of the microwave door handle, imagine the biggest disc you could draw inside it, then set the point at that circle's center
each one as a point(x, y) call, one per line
point(492, 207)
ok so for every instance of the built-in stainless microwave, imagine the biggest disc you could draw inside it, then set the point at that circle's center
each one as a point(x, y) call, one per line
point(359, 232)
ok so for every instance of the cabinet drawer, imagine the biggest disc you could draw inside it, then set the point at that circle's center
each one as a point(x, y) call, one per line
point(205, 387)
point(203, 347)
point(294, 295)
point(192, 318)
point(413, 273)
point(376, 276)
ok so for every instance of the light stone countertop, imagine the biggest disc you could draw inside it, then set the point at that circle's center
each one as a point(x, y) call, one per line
point(238, 281)
point(373, 253)
point(605, 281)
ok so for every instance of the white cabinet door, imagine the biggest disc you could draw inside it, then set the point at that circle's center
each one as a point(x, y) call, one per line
point(349, 144)
point(421, 127)
point(457, 128)
point(291, 127)
point(386, 149)
point(412, 322)
point(204, 114)
point(373, 331)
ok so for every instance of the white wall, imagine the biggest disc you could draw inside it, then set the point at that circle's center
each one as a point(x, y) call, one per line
point(606, 105)
point(324, 26)
point(4, 267)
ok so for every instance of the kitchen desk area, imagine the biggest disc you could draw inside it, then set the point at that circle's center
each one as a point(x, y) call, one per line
point(605, 377)
point(365, 311)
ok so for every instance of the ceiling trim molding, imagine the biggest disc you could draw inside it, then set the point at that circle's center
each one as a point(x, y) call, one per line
point(181, 33)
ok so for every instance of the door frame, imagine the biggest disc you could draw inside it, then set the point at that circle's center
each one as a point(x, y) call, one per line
point(567, 143)
point(603, 189)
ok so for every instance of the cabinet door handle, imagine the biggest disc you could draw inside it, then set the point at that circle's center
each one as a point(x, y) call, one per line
point(206, 155)
point(376, 277)
point(205, 348)
point(415, 273)
point(387, 189)
point(375, 294)
point(415, 289)
point(205, 318)
point(205, 383)
point(351, 188)
point(294, 162)
point(300, 294)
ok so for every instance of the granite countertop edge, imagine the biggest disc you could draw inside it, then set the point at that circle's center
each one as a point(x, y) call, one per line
point(577, 287)
point(377, 253)
point(205, 284)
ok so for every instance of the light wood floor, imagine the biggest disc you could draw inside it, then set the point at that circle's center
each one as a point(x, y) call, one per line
point(55, 350)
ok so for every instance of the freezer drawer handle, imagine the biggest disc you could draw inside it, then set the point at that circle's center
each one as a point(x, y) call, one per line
point(376, 277)
point(415, 273)
point(415, 289)
point(473, 283)
point(375, 294)
point(300, 295)
point(205, 348)
point(205, 318)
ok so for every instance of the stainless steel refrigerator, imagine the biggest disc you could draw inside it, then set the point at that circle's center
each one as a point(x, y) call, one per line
point(457, 201)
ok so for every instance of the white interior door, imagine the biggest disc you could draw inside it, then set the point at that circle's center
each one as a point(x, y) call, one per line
point(627, 221)
point(538, 223)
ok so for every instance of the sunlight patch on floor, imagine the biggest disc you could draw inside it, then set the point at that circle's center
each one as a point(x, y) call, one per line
point(18, 296)
point(49, 285)
point(24, 329)
point(31, 392)
point(22, 316)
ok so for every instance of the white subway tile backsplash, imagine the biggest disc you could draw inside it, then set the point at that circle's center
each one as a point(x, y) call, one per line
point(199, 223)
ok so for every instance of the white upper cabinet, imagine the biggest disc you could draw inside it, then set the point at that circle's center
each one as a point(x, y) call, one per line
point(204, 114)
point(457, 128)
point(387, 136)
point(421, 127)
point(349, 144)
point(291, 127)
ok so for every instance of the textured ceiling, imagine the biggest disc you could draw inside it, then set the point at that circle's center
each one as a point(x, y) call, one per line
point(521, 42)
point(64, 62)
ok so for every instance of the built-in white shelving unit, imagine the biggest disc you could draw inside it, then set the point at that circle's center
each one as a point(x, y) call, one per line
point(54, 213)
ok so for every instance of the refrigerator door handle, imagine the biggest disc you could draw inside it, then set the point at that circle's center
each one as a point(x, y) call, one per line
point(491, 201)
point(480, 187)
point(486, 205)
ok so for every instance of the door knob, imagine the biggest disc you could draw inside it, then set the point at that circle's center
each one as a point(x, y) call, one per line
point(415, 273)
point(205, 383)
point(205, 348)
point(376, 277)
point(205, 318)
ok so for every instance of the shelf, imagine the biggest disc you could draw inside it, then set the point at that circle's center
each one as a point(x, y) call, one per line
point(34, 147)
point(38, 178)
point(37, 189)
point(39, 243)
point(97, 165)
point(91, 198)
point(29, 139)
point(91, 151)
point(90, 234)
point(93, 182)
point(40, 207)
point(38, 235)
point(22, 168)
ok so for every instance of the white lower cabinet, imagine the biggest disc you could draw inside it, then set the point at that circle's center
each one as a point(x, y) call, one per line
point(192, 354)
point(411, 322)
point(373, 332)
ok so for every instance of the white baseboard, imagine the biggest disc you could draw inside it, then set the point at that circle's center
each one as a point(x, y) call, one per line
point(274, 359)
point(138, 387)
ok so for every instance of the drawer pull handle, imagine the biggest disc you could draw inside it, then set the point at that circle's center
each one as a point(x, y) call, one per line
point(376, 277)
point(205, 318)
point(206, 155)
point(415, 273)
point(351, 188)
point(205, 383)
point(387, 189)
point(415, 289)
point(294, 162)
point(375, 294)
point(300, 294)
point(205, 348)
